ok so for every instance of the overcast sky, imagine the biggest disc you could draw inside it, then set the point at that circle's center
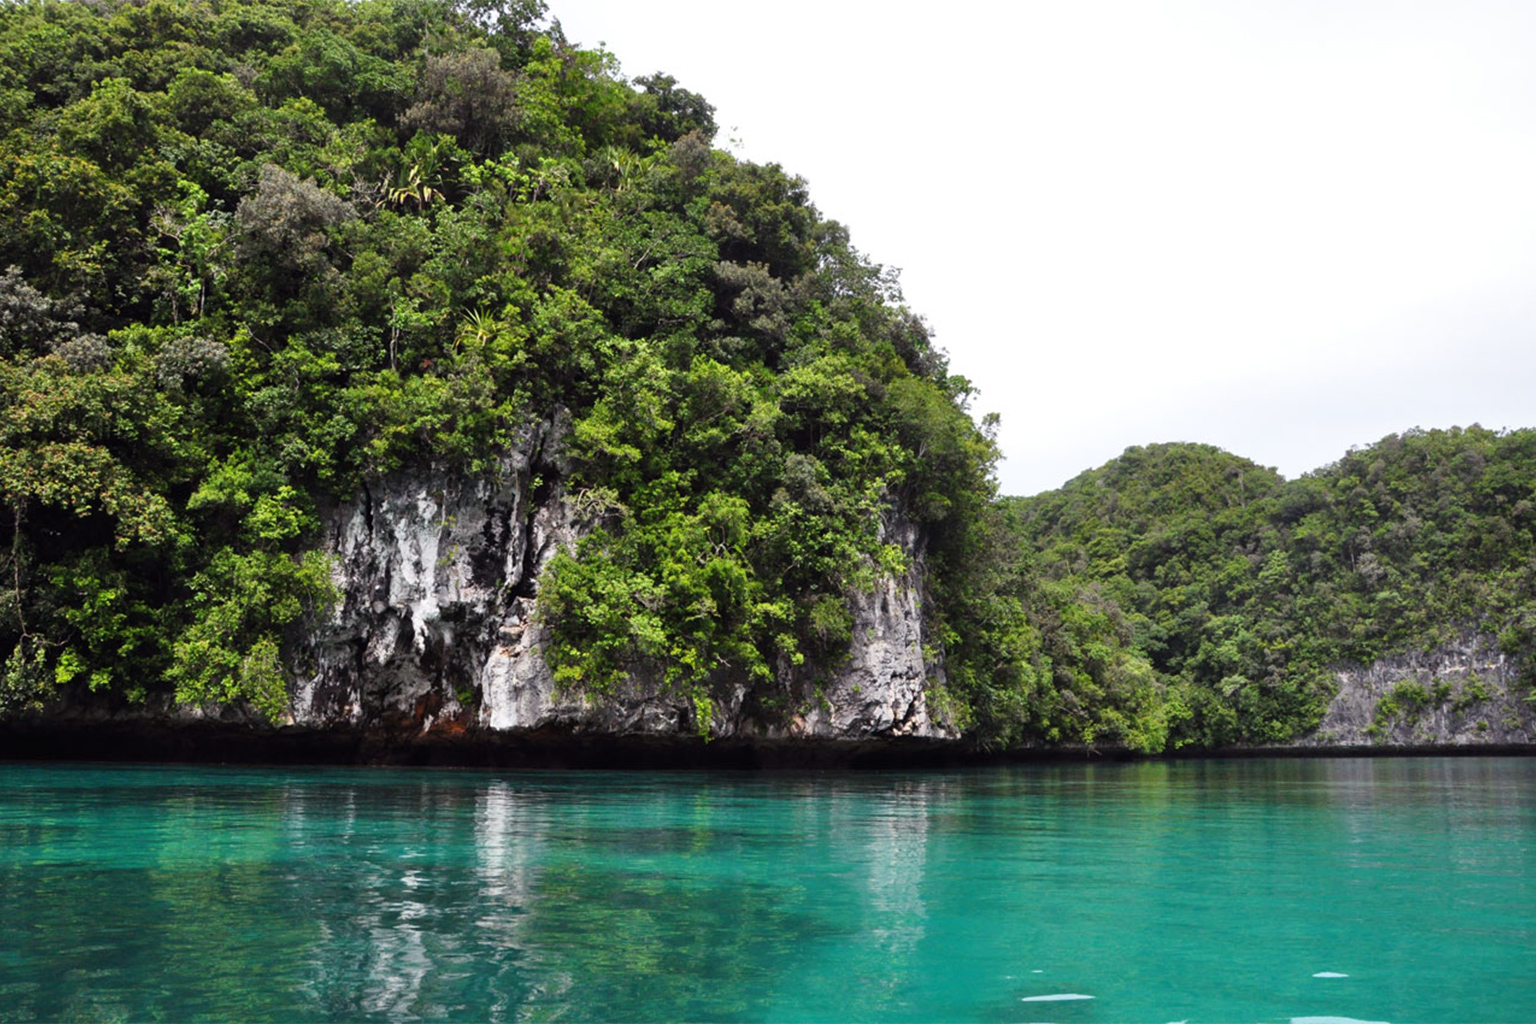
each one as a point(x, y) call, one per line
point(1283, 228)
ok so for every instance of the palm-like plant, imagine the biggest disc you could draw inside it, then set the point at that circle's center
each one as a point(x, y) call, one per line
point(413, 187)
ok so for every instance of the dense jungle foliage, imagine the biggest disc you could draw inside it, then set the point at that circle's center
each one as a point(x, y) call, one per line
point(253, 253)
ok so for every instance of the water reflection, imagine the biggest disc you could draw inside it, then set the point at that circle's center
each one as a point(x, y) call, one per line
point(1203, 889)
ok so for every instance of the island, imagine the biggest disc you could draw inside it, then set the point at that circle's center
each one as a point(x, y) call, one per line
point(400, 382)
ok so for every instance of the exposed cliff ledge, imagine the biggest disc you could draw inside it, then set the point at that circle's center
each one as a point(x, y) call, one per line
point(437, 630)
point(1458, 695)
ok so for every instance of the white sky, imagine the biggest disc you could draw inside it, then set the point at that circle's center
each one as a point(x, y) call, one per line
point(1283, 227)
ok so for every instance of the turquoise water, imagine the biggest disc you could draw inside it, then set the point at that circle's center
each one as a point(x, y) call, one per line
point(1214, 890)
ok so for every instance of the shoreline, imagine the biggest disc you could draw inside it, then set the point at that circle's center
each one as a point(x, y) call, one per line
point(224, 743)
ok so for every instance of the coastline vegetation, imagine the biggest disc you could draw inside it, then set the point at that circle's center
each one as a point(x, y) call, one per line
point(253, 254)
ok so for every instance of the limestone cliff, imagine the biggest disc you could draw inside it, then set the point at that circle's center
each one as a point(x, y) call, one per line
point(438, 627)
point(1457, 695)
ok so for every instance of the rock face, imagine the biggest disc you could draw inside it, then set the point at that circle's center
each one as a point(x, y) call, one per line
point(437, 629)
point(1462, 694)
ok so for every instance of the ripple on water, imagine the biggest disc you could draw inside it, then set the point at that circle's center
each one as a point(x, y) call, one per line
point(1329, 974)
point(1057, 997)
point(1333, 1020)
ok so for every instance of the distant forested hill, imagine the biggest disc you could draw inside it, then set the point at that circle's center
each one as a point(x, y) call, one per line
point(1198, 593)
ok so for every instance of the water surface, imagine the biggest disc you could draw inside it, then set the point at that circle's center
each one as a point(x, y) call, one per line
point(1382, 890)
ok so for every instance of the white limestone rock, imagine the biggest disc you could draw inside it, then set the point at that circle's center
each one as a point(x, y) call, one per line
point(438, 627)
